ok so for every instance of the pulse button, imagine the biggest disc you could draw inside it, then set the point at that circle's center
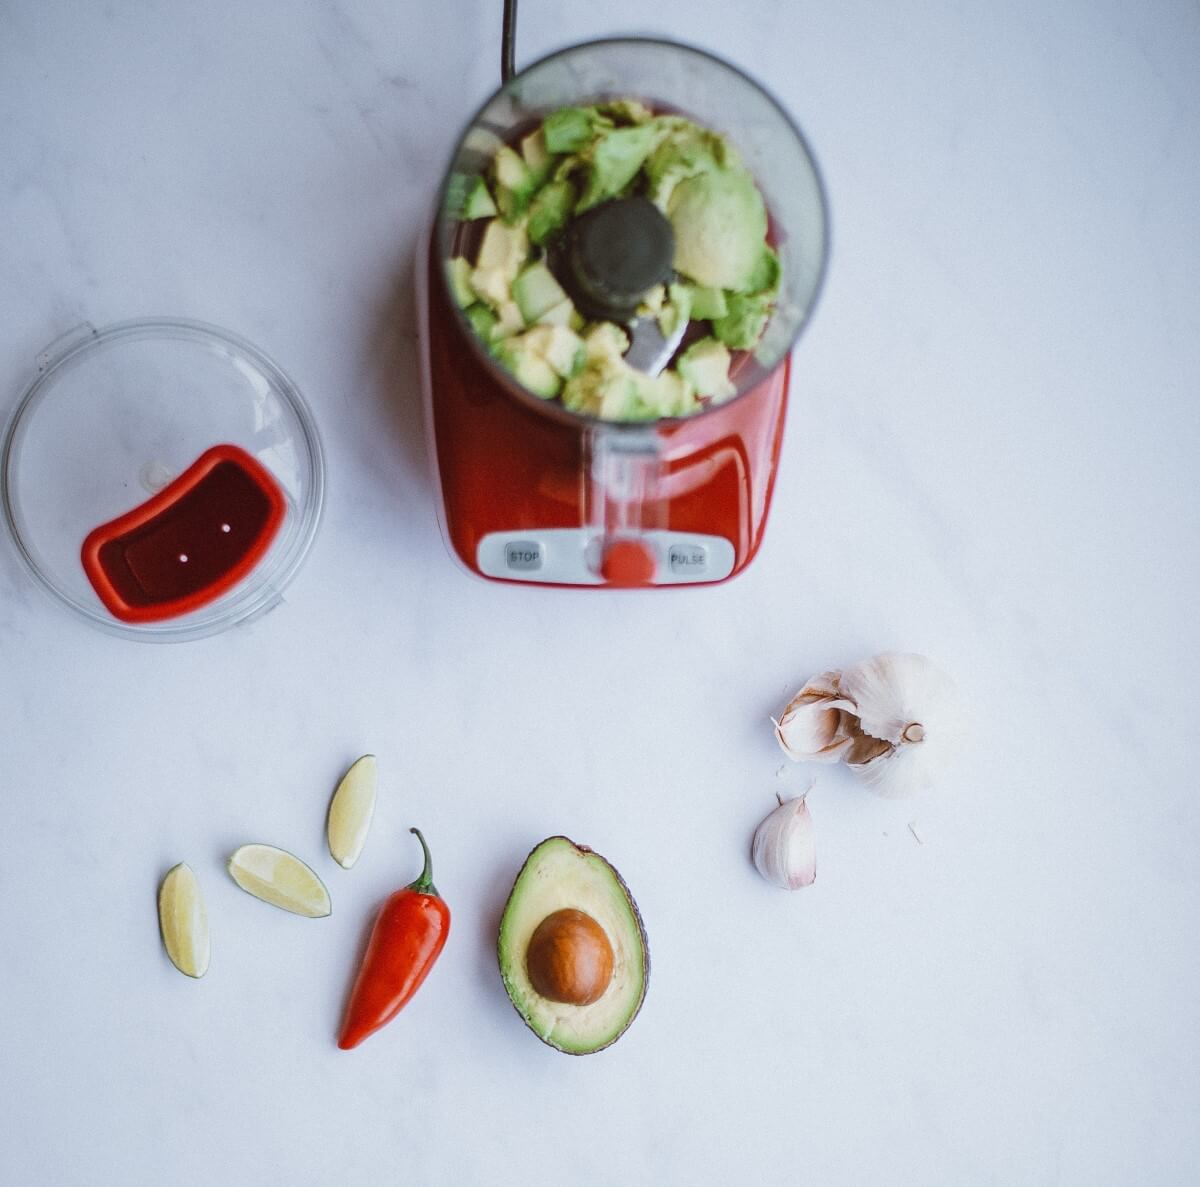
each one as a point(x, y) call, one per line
point(688, 560)
point(523, 556)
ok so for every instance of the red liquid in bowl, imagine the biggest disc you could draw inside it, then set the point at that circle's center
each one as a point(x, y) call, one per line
point(190, 543)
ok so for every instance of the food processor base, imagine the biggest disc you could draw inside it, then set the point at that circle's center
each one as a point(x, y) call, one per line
point(513, 482)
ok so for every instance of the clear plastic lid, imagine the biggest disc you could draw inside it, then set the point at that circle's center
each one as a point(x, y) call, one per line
point(162, 478)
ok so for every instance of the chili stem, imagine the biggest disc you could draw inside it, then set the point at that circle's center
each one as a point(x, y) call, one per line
point(424, 884)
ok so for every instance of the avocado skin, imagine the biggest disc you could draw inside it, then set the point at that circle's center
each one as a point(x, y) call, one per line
point(643, 938)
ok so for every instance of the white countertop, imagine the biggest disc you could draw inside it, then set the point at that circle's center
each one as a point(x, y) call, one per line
point(991, 458)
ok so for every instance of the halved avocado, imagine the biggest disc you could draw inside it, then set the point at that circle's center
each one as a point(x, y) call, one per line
point(561, 879)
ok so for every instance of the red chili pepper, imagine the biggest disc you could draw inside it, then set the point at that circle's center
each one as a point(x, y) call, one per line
point(407, 938)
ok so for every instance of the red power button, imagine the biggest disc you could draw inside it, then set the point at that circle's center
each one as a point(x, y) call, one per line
point(627, 563)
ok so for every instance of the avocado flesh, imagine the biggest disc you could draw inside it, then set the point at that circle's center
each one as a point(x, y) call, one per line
point(686, 150)
point(536, 291)
point(559, 874)
point(677, 311)
point(503, 249)
point(528, 367)
point(726, 274)
point(479, 202)
point(569, 129)
point(482, 320)
point(460, 282)
point(708, 303)
point(744, 322)
point(705, 365)
point(615, 159)
point(720, 223)
point(550, 210)
point(516, 183)
point(558, 315)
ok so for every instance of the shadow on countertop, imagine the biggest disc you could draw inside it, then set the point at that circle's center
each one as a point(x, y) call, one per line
point(393, 362)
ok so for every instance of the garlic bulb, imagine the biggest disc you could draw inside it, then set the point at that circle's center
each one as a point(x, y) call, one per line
point(813, 726)
point(783, 850)
point(894, 720)
point(908, 722)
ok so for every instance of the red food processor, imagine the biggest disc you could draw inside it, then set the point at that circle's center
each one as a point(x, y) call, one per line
point(533, 492)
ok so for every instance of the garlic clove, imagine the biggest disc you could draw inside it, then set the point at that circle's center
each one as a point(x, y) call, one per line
point(783, 850)
point(909, 722)
point(863, 749)
point(813, 726)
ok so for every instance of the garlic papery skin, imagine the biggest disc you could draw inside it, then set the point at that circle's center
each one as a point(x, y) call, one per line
point(784, 850)
point(908, 722)
point(813, 726)
point(897, 773)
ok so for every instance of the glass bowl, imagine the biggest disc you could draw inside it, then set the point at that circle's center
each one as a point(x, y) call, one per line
point(113, 417)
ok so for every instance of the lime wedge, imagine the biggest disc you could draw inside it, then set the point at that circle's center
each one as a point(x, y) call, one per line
point(281, 879)
point(350, 811)
point(183, 921)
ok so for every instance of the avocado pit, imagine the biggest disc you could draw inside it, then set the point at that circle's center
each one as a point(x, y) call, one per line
point(569, 958)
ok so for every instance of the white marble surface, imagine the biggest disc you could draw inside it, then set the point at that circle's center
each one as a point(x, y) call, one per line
point(992, 458)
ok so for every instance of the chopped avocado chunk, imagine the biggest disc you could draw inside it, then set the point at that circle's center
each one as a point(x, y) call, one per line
point(708, 303)
point(535, 290)
point(609, 388)
point(676, 312)
point(550, 210)
point(562, 314)
point(534, 151)
point(629, 110)
point(606, 340)
point(743, 324)
point(684, 150)
point(652, 302)
point(764, 280)
point(618, 398)
point(615, 159)
point(458, 185)
point(482, 320)
point(604, 388)
point(705, 365)
point(511, 171)
point(501, 255)
point(513, 203)
point(558, 876)
point(510, 321)
point(666, 394)
point(568, 129)
point(719, 221)
point(607, 385)
point(458, 273)
point(539, 162)
point(503, 248)
point(516, 183)
point(479, 202)
point(561, 347)
point(491, 285)
point(528, 367)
